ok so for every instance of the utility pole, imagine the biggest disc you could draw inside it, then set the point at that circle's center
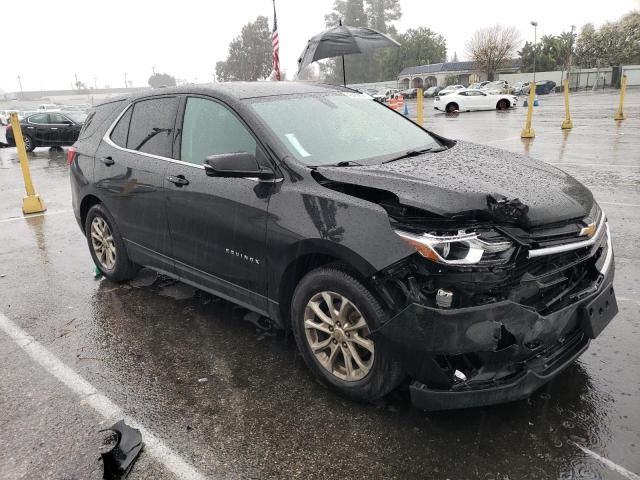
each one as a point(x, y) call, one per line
point(153, 70)
point(125, 80)
point(20, 83)
point(76, 75)
point(95, 84)
point(535, 40)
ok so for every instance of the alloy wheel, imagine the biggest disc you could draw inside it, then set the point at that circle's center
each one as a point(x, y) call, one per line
point(103, 243)
point(27, 143)
point(338, 336)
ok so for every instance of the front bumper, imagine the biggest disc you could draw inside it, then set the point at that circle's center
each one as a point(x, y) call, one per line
point(501, 352)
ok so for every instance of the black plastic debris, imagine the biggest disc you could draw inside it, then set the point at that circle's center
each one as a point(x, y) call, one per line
point(119, 459)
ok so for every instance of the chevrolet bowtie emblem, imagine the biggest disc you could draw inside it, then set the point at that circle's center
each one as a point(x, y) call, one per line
point(588, 231)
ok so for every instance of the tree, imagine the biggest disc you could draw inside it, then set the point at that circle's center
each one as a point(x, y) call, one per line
point(161, 80)
point(382, 13)
point(249, 55)
point(492, 47)
point(418, 46)
point(80, 85)
point(613, 44)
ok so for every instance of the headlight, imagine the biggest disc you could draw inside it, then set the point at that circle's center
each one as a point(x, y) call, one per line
point(460, 249)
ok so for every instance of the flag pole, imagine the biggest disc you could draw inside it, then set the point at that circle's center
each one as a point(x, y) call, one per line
point(275, 45)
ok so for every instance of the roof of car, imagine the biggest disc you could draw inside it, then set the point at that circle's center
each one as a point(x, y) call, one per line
point(242, 90)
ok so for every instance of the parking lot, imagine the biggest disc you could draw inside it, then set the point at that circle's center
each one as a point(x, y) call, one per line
point(219, 396)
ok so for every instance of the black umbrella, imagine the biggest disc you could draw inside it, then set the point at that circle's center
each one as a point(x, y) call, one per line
point(342, 40)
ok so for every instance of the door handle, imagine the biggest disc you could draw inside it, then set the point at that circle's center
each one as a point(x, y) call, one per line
point(178, 180)
point(108, 161)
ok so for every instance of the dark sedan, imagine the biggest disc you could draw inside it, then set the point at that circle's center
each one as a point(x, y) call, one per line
point(49, 129)
point(391, 252)
point(545, 86)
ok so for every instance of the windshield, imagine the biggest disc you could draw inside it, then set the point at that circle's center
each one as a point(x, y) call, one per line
point(78, 117)
point(325, 129)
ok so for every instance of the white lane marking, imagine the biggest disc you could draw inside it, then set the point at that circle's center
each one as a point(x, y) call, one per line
point(620, 204)
point(180, 467)
point(608, 463)
point(575, 164)
point(44, 214)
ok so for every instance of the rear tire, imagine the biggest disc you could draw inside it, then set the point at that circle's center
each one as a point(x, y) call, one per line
point(29, 144)
point(503, 104)
point(340, 350)
point(452, 107)
point(106, 245)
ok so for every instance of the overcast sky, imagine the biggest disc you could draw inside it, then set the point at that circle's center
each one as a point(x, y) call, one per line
point(104, 39)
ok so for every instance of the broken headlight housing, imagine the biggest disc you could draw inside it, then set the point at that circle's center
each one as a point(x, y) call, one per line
point(461, 248)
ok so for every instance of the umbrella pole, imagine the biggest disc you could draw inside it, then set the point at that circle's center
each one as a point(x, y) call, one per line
point(344, 73)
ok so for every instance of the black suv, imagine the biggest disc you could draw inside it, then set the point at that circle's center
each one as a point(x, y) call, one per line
point(391, 252)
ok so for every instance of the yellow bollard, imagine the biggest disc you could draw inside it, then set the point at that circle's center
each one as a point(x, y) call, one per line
point(32, 203)
point(620, 113)
point(528, 131)
point(419, 107)
point(567, 123)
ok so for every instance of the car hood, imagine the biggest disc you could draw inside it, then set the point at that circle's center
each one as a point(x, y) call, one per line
point(470, 180)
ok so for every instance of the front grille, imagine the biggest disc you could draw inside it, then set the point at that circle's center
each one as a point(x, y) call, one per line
point(556, 234)
point(556, 281)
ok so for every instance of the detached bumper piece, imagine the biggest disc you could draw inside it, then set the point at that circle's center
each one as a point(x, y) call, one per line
point(119, 460)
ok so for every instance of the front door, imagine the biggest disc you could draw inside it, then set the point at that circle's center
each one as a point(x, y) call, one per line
point(38, 128)
point(130, 168)
point(217, 225)
point(60, 128)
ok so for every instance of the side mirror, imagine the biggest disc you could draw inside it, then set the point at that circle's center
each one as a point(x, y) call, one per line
point(236, 165)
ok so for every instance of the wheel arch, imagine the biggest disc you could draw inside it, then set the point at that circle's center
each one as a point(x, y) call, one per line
point(87, 202)
point(310, 255)
point(452, 102)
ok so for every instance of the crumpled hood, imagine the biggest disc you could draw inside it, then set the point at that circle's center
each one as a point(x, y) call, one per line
point(470, 177)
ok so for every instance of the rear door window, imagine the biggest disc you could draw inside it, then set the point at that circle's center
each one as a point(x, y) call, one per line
point(210, 128)
point(152, 124)
point(41, 118)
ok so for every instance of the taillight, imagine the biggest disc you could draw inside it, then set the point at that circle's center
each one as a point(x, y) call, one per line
point(71, 155)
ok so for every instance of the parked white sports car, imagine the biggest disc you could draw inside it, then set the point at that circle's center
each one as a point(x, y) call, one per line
point(468, 99)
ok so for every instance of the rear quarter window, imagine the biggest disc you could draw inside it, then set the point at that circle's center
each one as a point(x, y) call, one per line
point(98, 117)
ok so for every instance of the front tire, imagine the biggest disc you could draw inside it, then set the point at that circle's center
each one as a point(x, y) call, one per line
point(332, 317)
point(106, 245)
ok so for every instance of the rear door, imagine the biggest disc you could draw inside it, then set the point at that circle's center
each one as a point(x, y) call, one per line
point(38, 128)
point(130, 168)
point(217, 225)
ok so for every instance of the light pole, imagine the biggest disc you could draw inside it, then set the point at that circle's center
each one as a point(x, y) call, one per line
point(20, 83)
point(535, 40)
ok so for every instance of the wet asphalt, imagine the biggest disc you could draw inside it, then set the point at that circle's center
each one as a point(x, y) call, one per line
point(236, 401)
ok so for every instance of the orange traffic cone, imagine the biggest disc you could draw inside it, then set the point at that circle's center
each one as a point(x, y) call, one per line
point(400, 102)
point(393, 103)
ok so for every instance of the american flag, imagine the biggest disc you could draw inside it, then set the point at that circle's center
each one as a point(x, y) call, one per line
point(275, 42)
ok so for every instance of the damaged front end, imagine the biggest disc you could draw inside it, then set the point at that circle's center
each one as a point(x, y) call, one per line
point(488, 311)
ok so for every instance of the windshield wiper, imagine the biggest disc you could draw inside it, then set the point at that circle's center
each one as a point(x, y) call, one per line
point(415, 153)
point(344, 163)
